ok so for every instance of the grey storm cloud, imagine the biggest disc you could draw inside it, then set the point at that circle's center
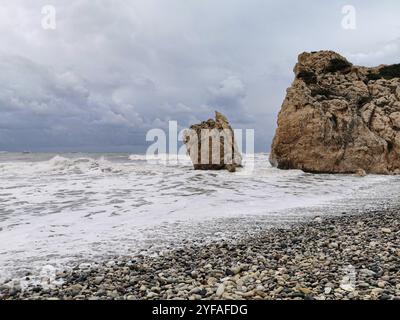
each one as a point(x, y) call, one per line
point(112, 70)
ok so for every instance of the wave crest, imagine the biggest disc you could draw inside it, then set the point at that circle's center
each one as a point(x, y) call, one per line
point(59, 164)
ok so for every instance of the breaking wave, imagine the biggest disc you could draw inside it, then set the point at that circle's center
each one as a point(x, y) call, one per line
point(61, 165)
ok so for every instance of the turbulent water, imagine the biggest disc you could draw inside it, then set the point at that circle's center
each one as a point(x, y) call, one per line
point(59, 209)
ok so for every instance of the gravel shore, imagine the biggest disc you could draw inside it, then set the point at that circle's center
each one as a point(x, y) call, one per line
point(346, 257)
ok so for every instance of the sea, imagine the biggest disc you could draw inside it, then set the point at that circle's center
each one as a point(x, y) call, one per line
point(59, 210)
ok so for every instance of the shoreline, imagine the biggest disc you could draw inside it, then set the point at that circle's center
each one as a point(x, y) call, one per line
point(355, 256)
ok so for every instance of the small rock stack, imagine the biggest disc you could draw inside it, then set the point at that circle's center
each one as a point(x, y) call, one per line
point(211, 145)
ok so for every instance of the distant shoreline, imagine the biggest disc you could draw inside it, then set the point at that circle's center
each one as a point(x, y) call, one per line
point(353, 256)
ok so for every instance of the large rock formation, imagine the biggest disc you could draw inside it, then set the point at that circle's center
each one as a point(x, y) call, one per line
point(211, 145)
point(339, 118)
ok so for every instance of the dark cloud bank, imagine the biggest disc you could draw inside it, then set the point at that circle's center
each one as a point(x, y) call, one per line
point(114, 69)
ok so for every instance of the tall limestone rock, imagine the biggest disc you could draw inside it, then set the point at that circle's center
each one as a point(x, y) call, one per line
point(211, 145)
point(339, 118)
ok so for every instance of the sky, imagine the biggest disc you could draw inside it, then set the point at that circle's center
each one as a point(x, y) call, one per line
point(112, 70)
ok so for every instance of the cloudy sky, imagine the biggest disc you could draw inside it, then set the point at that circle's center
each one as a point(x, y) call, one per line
point(113, 69)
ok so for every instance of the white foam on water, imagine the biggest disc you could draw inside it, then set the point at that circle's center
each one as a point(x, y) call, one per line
point(63, 208)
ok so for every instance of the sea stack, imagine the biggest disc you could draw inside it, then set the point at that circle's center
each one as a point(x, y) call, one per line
point(339, 118)
point(211, 145)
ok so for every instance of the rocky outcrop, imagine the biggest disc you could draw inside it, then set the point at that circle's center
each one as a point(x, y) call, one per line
point(339, 118)
point(211, 145)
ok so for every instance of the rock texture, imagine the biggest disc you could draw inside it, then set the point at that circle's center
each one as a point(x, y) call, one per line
point(211, 145)
point(339, 118)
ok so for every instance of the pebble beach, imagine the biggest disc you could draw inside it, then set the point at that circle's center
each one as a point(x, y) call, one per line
point(352, 256)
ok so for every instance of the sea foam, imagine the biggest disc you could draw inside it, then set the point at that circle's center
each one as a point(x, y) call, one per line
point(57, 209)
